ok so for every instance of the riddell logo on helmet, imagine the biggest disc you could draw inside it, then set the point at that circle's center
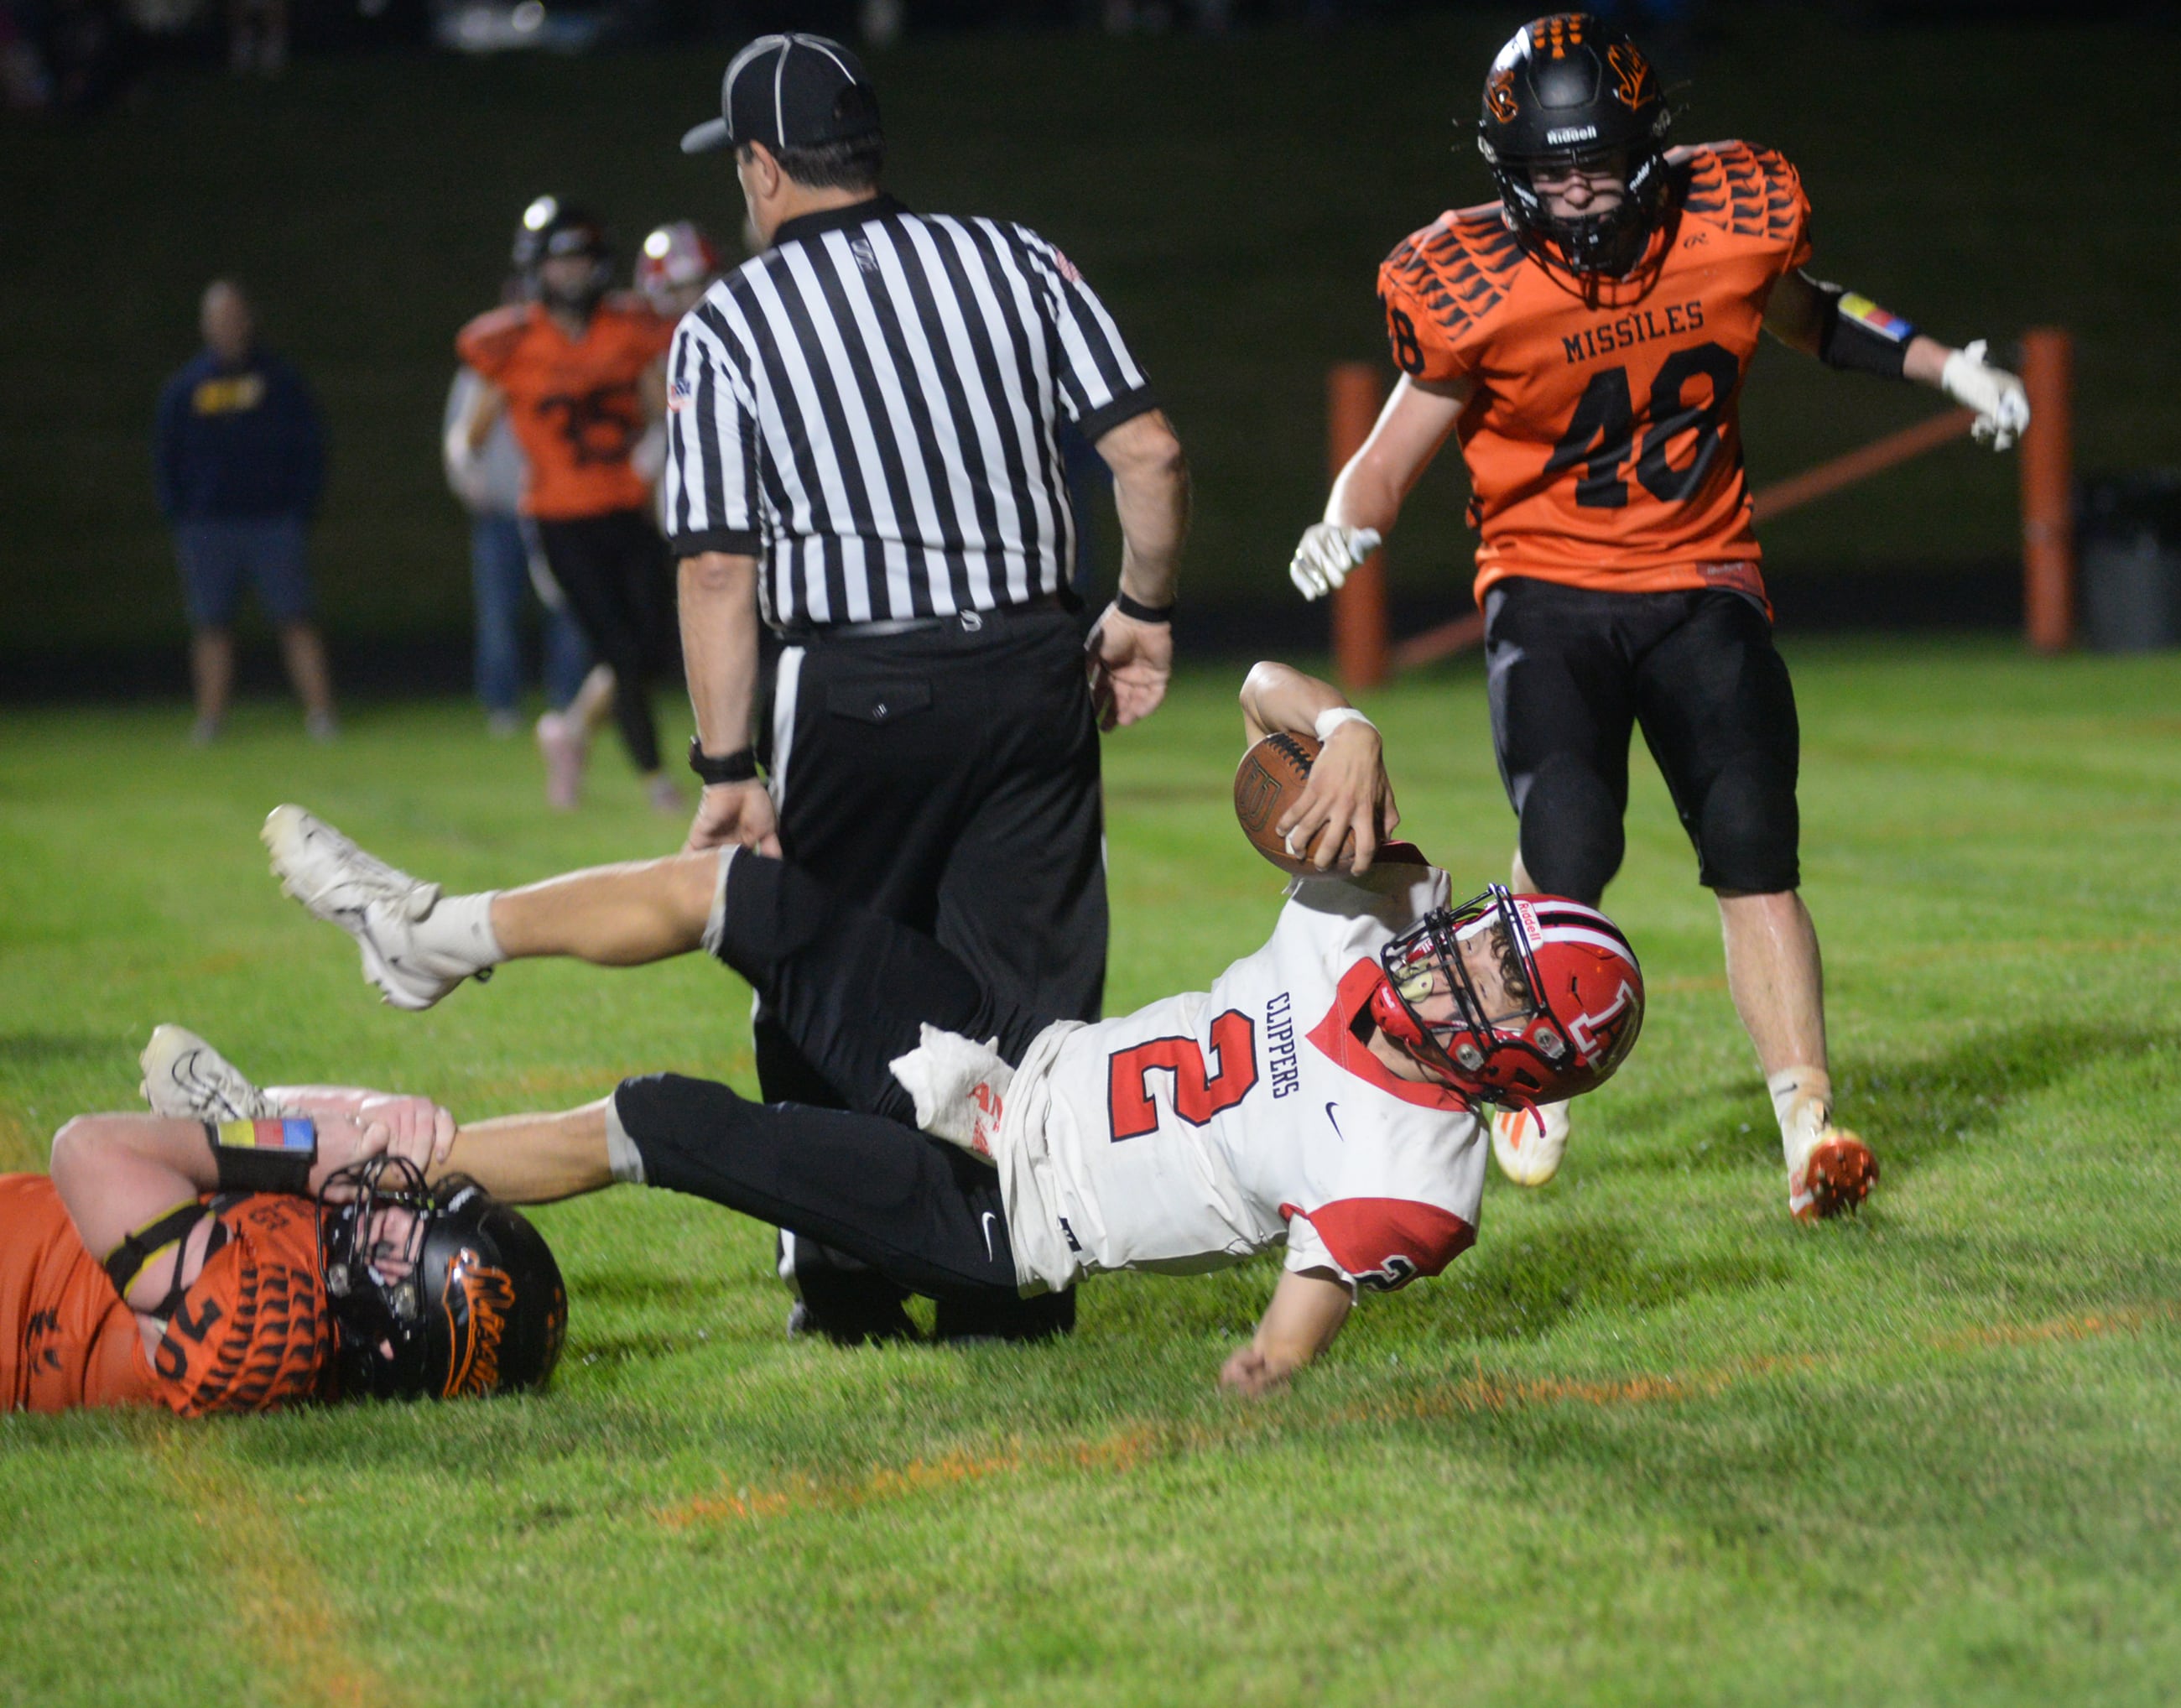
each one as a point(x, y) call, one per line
point(1572, 133)
point(477, 1302)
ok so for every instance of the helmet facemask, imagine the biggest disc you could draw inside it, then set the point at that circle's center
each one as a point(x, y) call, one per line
point(372, 1219)
point(1432, 1005)
point(1605, 246)
point(438, 1292)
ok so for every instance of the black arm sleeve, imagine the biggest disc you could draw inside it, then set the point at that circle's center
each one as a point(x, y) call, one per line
point(1855, 333)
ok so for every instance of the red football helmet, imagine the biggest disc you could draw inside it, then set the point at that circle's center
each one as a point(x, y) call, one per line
point(673, 258)
point(1574, 998)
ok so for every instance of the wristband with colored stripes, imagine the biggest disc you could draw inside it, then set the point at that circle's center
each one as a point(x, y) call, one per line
point(274, 1156)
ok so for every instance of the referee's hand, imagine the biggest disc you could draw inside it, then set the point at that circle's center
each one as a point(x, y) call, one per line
point(1128, 663)
point(735, 814)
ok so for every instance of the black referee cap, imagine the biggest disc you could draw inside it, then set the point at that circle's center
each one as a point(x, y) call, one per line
point(790, 92)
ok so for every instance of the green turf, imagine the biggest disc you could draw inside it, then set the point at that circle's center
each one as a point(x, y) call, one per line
point(1230, 198)
point(1647, 1442)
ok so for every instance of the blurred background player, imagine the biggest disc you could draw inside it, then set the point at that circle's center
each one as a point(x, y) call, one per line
point(675, 266)
point(575, 371)
point(849, 478)
point(1585, 339)
point(243, 1251)
point(504, 575)
point(238, 460)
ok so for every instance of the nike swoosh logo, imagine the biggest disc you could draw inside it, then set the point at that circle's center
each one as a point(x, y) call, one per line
point(990, 1257)
point(1335, 1120)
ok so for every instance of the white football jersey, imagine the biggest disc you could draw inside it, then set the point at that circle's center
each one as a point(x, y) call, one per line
point(1207, 1127)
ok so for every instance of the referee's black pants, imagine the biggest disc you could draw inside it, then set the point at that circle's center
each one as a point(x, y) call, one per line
point(947, 778)
point(852, 990)
point(613, 570)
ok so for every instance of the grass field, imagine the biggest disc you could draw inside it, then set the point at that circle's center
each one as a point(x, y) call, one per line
point(1230, 198)
point(1649, 1442)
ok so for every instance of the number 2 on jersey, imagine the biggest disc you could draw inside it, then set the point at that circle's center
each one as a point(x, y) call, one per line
point(1198, 1096)
point(1602, 432)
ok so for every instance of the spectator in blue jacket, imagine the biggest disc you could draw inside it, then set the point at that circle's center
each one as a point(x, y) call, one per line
point(240, 462)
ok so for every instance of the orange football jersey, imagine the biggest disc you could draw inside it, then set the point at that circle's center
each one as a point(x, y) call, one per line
point(250, 1334)
point(1605, 443)
point(575, 406)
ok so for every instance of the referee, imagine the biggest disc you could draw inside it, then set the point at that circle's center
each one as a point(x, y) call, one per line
point(864, 458)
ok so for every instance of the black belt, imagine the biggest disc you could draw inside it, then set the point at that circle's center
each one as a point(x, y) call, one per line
point(961, 622)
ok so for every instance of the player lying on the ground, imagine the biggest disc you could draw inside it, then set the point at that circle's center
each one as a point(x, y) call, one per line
point(238, 1250)
point(1321, 1095)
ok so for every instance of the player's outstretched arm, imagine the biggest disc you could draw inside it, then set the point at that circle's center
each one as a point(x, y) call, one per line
point(1367, 494)
point(535, 1159)
point(1349, 800)
point(1308, 1307)
point(1843, 329)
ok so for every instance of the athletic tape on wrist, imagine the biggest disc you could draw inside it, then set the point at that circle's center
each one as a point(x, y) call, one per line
point(274, 1156)
point(1332, 719)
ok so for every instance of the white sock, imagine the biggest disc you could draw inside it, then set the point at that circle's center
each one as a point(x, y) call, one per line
point(456, 935)
point(1802, 1104)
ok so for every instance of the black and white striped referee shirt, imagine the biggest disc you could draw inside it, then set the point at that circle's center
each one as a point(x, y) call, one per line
point(871, 407)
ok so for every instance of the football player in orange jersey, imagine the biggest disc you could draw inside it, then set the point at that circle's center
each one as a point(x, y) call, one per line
point(1584, 339)
point(179, 1258)
point(575, 369)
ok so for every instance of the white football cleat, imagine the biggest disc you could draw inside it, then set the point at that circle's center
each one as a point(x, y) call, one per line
point(1528, 1144)
point(377, 905)
point(186, 1078)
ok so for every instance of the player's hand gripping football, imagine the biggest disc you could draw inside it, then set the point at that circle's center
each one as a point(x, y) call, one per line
point(2002, 403)
point(1328, 550)
point(1129, 664)
point(1348, 803)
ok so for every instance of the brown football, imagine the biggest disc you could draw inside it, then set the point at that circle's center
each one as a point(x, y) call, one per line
point(1267, 782)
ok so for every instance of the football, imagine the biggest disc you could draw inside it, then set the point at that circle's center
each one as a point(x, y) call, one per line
point(1267, 782)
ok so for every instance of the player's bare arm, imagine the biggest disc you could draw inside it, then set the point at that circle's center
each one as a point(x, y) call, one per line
point(1348, 803)
point(487, 404)
point(1367, 494)
point(1132, 655)
point(1307, 1309)
point(718, 601)
point(120, 1173)
point(1844, 329)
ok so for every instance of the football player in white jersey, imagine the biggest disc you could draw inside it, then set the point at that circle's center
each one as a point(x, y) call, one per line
point(1321, 1095)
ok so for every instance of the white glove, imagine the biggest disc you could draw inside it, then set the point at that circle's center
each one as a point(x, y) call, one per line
point(960, 1087)
point(1328, 552)
point(2002, 406)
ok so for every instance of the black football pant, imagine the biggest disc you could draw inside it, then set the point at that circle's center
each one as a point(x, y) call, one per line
point(852, 990)
point(1572, 673)
point(613, 569)
point(948, 779)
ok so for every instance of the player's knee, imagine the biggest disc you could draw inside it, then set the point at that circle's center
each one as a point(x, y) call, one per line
point(1572, 839)
point(1749, 832)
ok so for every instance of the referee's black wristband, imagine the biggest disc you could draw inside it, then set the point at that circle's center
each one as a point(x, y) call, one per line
point(1140, 612)
point(739, 767)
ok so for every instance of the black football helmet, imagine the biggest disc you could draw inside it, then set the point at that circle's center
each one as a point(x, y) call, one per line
point(551, 228)
point(470, 1305)
point(1571, 91)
